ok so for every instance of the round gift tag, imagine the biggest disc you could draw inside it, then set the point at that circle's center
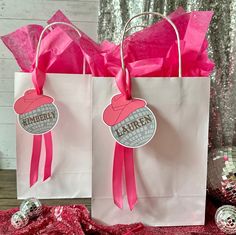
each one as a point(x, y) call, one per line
point(131, 122)
point(37, 114)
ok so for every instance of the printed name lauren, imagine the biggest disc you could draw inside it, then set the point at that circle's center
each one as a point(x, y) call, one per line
point(123, 130)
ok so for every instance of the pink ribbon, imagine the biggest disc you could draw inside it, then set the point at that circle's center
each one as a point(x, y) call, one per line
point(38, 79)
point(49, 154)
point(34, 166)
point(123, 156)
point(123, 82)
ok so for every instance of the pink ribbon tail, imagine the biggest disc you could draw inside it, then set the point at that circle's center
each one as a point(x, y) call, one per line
point(49, 154)
point(130, 177)
point(34, 165)
point(124, 156)
point(117, 174)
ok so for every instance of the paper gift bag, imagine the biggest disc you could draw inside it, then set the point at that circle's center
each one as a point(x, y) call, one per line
point(71, 137)
point(171, 169)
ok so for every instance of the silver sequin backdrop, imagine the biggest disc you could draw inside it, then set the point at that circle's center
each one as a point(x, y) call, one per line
point(222, 49)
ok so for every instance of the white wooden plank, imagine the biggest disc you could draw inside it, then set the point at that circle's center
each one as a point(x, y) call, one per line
point(7, 115)
point(10, 25)
point(42, 9)
point(8, 163)
point(7, 141)
point(6, 99)
point(6, 85)
point(7, 68)
point(4, 52)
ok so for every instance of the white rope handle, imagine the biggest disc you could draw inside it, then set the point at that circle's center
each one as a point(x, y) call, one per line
point(136, 26)
point(156, 14)
point(41, 37)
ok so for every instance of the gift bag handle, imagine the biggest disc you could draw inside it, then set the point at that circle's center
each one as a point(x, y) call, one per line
point(135, 26)
point(155, 14)
point(41, 37)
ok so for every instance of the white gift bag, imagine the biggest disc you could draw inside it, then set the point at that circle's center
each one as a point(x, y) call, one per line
point(71, 164)
point(171, 169)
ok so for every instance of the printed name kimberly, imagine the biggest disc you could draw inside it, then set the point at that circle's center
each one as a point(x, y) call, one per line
point(39, 118)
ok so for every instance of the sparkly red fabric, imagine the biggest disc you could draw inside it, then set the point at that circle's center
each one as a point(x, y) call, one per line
point(61, 220)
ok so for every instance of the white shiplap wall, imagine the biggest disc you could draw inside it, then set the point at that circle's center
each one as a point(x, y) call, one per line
point(17, 13)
